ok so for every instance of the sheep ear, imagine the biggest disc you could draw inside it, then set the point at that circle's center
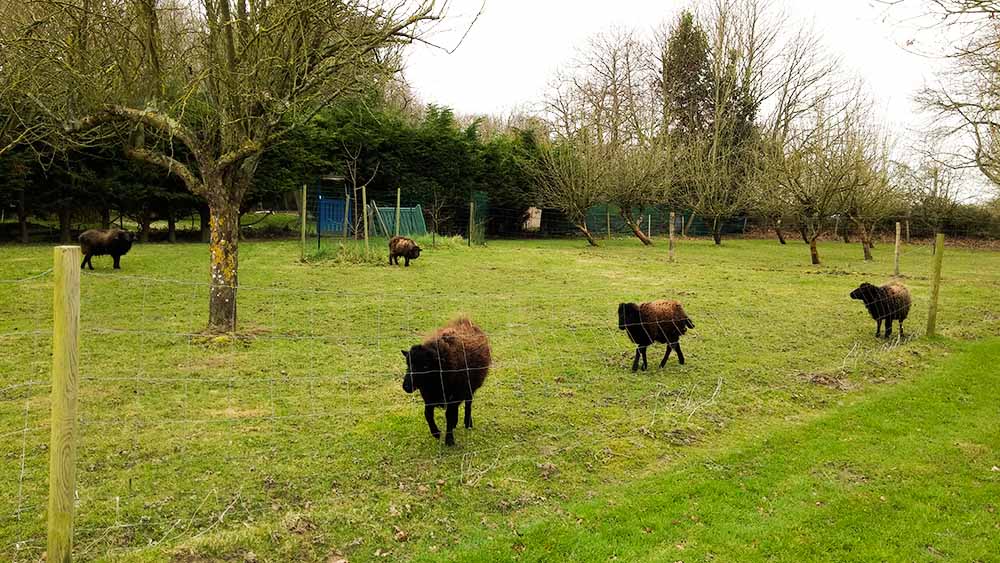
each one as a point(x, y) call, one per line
point(406, 354)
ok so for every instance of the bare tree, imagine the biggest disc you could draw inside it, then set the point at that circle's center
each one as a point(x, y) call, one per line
point(639, 176)
point(202, 90)
point(572, 176)
point(966, 99)
point(605, 98)
point(821, 160)
point(877, 196)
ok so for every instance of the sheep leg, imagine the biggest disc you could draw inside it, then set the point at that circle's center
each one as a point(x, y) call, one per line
point(635, 362)
point(406, 261)
point(118, 265)
point(663, 362)
point(901, 335)
point(888, 329)
point(878, 328)
point(429, 415)
point(390, 259)
point(680, 355)
point(451, 421)
point(644, 365)
point(468, 413)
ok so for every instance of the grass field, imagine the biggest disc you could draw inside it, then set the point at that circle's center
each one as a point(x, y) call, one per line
point(294, 441)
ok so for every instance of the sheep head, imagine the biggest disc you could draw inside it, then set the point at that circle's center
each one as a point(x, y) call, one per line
point(866, 292)
point(628, 314)
point(420, 361)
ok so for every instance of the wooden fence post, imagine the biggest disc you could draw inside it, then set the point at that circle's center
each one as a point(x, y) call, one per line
point(397, 212)
point(607, 210)
point(671, 254)
point(899, 231)
point(364, 207)
point(62, 446)
point(472, 219)
point(935, 284)
point(302, 227)
point(347, 213)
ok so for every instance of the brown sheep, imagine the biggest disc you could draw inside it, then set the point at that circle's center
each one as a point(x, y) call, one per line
point(402, 246)
point(656, 321)
point(887, 303)
point(101, 242)
point(447, 369)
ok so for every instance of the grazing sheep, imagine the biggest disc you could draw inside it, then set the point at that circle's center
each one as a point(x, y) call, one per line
point(447, 369)
point(657, 321)
point(101, 242)
point(887, 303)
point(402, 246)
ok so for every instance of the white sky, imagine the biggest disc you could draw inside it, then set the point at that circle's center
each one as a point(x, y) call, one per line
point(515, 47)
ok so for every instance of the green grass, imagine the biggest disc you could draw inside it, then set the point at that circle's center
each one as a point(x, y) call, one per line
point(911, 473)
point(295, 441)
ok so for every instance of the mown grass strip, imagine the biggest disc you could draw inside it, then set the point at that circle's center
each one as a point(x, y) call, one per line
point(908, 474)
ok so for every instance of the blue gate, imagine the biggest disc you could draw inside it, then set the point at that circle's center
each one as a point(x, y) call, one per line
point(331, 215)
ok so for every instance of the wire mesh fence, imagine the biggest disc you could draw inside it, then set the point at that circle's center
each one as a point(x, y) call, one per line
point(183, 433)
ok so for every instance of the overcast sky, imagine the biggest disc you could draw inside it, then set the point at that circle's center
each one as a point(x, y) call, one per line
point(515, 46)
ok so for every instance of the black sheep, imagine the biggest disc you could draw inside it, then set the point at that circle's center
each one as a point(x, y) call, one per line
point(447, 369)
point(887, 303)
point(100, 242)
point(656, 321)
point(402, 246)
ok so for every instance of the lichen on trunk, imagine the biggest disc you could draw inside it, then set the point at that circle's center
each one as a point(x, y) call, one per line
point(224, 246)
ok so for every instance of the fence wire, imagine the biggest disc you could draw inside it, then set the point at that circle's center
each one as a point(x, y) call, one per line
point(184, 433)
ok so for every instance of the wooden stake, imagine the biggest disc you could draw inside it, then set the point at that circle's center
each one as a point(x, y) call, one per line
point(607, 210)
point(397, 212)
point(364, 206)
point(935, 284)
point(671, 254)
point(347, 213)
point(472, 219)
point(898, 241)
point(65, 370)
point(302, 227)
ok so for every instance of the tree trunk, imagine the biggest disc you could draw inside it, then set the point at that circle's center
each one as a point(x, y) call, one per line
point(144, 223)
point(687, 226)
point(813, 251)
point(777, 230)
point(224, 221)
point(636, 228)
point(717, 231)
point(106, 218)
point(805, 235)
point(65, 236)
point(22, 217)
point(586, 232)
point(171, 229)
point(847, 235)
point(206, 231)
point(867, 247)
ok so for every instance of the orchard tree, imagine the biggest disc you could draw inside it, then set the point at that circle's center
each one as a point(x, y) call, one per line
point(877, 196)
point(966, 99)
point(820, 162)
point(217, 81)
point(572, 176)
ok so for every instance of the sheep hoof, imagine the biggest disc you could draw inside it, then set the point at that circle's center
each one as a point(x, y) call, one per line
point(437, 435)
point(449, 440)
